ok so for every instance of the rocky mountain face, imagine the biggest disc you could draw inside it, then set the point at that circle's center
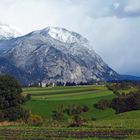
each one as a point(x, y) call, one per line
point(53, 55)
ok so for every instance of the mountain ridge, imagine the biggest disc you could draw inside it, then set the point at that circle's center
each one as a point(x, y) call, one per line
point(54, 55)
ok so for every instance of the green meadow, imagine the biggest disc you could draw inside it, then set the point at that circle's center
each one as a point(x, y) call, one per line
point(46, 100)
point(101, 124)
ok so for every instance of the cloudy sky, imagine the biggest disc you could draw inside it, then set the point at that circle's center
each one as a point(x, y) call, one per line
point(112, 26)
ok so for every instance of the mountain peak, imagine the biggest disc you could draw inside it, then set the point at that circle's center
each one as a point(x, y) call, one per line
point(63, 35)
point(54, 55)
point(8, 32)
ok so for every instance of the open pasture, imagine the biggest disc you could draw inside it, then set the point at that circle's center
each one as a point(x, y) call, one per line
point(46, 100)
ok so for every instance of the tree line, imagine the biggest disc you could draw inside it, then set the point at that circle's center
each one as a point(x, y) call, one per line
point(122, 102)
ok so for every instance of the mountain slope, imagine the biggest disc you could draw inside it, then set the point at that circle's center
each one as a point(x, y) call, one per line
point(57, 55)
point(8, 68)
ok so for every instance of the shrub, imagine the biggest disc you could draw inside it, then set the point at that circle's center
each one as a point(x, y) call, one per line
point(127, 102)
point(35, 120)
point(102, 104)
point(77, 121)
point(85, 108)
point(15, 113)
point(74, 110)
point(59, 114)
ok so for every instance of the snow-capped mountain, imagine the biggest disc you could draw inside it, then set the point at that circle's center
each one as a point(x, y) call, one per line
point(64, 35)
point(54, 55)
point(8, 32)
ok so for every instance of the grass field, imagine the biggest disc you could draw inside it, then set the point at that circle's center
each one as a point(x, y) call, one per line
point(46, 100)
point(101, 124)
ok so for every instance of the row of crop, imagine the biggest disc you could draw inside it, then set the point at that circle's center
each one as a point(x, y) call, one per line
point(66, 134)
